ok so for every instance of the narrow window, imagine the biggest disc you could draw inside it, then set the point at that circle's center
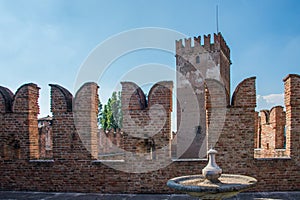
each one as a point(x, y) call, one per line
point(197, 59)
point(259, 138)
point(284, 137)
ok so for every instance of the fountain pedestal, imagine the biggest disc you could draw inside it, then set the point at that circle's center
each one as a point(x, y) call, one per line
point(212, 184)
point(212, 171)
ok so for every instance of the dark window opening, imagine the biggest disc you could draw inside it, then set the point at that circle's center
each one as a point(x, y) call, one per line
point(197, 59)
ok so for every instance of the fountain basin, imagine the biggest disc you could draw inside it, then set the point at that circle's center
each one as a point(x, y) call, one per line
point(197, 185)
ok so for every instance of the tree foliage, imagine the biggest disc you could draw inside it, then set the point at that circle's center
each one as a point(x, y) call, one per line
point(100, 114)
point(111, 117)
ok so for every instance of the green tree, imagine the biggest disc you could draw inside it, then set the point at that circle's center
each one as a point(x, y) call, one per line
point(116, 110)
point(111, 117)
point(120, 113)
point(104, 120)
point(100, 114)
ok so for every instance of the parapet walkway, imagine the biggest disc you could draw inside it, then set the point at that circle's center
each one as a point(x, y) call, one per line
point(13, 195)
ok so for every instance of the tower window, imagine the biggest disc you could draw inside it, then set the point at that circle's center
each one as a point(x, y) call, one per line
point(197, 59)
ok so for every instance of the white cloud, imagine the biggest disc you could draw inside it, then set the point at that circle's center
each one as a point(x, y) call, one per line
point(274, 98)
point(269, 101)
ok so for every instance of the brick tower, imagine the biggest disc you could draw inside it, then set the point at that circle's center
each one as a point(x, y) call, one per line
point(194, 64)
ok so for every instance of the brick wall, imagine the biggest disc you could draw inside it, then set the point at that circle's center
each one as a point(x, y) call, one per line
point(19, 128)
point(147, 123)
point(74, 166)
point(270, 135)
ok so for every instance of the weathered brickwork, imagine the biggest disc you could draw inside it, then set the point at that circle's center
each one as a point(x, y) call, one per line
point(273, 138)
point(19, 128)
point(248, 143)
point(73, 167)
point(147, 122)
point(270, 134)
point(292, 103)
point(74, 122)
point(111, 145)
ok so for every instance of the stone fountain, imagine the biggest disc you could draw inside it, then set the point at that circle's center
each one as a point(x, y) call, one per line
point(212, 184)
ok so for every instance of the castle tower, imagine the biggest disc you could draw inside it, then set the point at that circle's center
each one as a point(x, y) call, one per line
point(195, 63)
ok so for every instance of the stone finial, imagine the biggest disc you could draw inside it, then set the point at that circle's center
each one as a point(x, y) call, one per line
point(212, 171)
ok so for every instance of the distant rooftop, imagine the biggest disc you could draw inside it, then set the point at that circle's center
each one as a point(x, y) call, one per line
point(47, 118)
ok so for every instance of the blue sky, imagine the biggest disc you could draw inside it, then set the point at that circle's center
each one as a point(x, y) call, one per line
point(47, 41)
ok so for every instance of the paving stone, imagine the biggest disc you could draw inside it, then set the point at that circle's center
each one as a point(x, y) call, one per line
point(150, 197)
point(11, 195)
point(182, 197)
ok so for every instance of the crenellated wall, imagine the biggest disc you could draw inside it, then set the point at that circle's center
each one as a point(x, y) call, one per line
point(218, 42)
point(147, 121)
point(19, 128)
point(203, 52)
point(75, 165)
point(273, 136)
point(292, 104)
point(271, 133)
point(74, 123)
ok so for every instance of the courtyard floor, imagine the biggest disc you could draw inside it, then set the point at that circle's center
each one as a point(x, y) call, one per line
point(11, 195)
